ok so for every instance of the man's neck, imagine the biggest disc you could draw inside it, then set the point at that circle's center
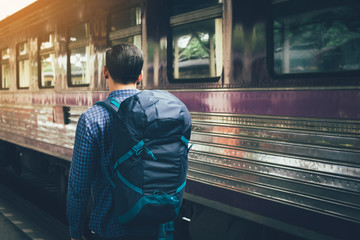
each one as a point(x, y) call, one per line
point(118, 86)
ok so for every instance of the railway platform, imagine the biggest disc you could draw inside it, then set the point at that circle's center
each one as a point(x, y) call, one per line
point(21, 220)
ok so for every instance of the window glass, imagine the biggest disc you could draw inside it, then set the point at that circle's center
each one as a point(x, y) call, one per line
point(320, 40)
point(23, 65)
point(47, 41)
point(136, 40)
point(23, 49)
point(183, 6)
point(197, 49)
point(47, 60)
point(24, 73)
point(79, 54)
point(79, 65)
point(125, 18)
point(125, 26)
point(5, 54)
point(79, 32)
point(5, 69)
point(5, 75)
point(47, 70)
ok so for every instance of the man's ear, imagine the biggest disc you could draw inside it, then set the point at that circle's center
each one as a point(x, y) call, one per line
point(105, 72)
point(140, 77)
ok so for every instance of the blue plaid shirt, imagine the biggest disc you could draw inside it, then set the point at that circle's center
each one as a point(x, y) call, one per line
point(93, 151)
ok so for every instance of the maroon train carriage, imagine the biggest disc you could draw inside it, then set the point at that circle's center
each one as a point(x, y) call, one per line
point(273, 88)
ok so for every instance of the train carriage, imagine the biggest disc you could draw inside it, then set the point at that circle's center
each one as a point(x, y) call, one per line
point(273, 88)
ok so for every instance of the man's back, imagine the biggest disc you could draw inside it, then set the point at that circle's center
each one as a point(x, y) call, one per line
point(93, 151)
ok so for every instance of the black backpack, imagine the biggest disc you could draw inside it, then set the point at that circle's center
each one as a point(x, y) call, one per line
point(151, 133)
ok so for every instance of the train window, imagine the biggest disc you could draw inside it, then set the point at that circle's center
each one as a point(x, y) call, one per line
point(23, 65)
point(5, 69)
point(183, 6)
point(125, 26)
point(325, 38)
point(79, 53)
point(197, 44)
point(136, 40)
point(47, 60)
point(79, 32)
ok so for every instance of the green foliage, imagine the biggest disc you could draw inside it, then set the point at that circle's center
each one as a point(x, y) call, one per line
point(319, 29)
point(197, 47)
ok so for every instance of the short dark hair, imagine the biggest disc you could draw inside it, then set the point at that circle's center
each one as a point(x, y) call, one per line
point(124, 62)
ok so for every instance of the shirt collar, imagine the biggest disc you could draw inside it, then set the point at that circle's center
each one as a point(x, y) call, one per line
point(123, 93)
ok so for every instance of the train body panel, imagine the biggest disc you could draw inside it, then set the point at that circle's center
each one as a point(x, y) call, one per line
point(275, 141)
point(326, 104)
point(293, 161)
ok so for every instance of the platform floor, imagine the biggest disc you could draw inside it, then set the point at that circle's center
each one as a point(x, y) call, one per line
point(10, 231)
point(21, 220)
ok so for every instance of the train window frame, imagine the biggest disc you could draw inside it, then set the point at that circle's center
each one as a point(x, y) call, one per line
point(126, 32)
point(4, 61)
point(288, 8)
point(22, 58)
point(181, 7)
point(77, 45)
point(192, 17)
point(44, 52)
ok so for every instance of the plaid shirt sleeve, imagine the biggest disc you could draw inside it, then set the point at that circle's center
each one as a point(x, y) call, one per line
point(81, 172)
point(93, 148)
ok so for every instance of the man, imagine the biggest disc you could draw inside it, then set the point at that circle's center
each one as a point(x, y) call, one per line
point(93, 153)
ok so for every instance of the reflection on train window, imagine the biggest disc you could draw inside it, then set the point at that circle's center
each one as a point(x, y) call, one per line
point(125, 18)
point(23, 65)
point(79, 32)
point(136, 40)
point(79, 66)
point(5, 69)
point(197, 53)
point(47, 61)
point(197, 43)
point(79, 54)
point(47, 41)
point(321, 40)
point(125, 26)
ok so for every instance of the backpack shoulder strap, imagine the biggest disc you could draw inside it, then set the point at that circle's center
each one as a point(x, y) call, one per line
point(113, 105)
point(110, 103)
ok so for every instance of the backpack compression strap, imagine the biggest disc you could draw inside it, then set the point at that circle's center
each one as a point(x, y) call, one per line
point(134, 150)
point(186, 142)
point(166, 231)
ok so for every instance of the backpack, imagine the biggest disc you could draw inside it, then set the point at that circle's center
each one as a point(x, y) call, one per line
point(151, 133)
